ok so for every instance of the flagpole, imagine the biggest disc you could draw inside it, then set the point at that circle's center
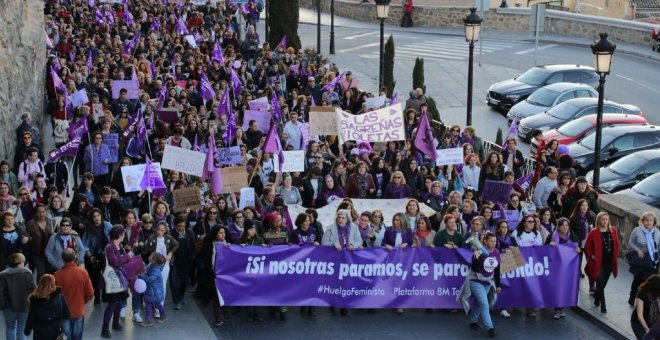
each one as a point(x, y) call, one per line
point(66, 188)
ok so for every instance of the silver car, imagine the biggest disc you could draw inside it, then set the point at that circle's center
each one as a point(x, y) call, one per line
point(548, 96)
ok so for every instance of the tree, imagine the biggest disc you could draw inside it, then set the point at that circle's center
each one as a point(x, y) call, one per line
point(435, 115)
point(388, 73)
point(283, 21)
point(418, 74)
point(498, 137)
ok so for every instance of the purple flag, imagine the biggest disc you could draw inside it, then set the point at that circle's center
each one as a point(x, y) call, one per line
point(90, 62)
point(155, 25)
point(395, 98)
point(217, 54)
point(273, 144)
point(129, 19)
point(277, 110)
point(245, 9)
point(78, 128)
point(216, 181)
point(224, 103)
point(424, 138)
point(181, 28)
point(179, 4)
point(111, 18)
point(198, 38)
point(206, 89)
point(282, 43)
point(91, 3)
point(133, 124)
point(312, 102)
point(68, 106)
point(230, 131)
point(130, 44)
point(69, 148)
point(196, 145)
point(236, 83)
point(99, 17)
point(331, 85)
point(512, 131)
point(210, 156)
point(162, 95)
point(56, 66)
point(72, 56)
point(151, 179)
point(57, 82)
point(525, 181)
point(49, 43)
point(152, 70)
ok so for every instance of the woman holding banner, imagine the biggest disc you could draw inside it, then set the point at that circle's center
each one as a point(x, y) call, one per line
point(602, 249)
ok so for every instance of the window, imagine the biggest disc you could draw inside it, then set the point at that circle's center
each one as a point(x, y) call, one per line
point(584, 93)
point(611, 109)
point(566, 96)
point(652, 168)
point(587, 111)
point(574, 77)
point(624, 142)
point(556, 78)
point(644, 139)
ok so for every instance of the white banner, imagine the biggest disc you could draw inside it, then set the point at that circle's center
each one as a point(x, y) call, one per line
point(449, 156)
point(183, 160)
point(294, 161)
point(375, 102)
point(132, 175)
point(382, 125)
point(247, 198)
point(229, 156)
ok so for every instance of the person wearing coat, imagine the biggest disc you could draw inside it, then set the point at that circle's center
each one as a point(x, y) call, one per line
point(579, 190)
point(513, 158)
point(399, 234)
point(47, 309)
point(601, 250)
point(117, 258)
point(155, 292)
point(16, 283)
point(645, 240)
point(66, 238)
point(97, 159)
point(361, 183)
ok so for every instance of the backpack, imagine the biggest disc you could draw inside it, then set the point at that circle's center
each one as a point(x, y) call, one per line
point(41, 166)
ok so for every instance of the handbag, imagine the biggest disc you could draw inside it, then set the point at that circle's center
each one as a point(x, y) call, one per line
point(112, 282)
point(61, 336)
point(634, 260)
point(134, 267)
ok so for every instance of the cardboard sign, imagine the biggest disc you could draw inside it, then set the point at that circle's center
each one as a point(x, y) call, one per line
point(132, 175)
point(132, 86)
point(449, 156)
point(496, 192)
point(322, 120)
point(261, 117)
point(79, 98)
point(234, 179)
point(169, 115)
point(98, 112)
point(247, 198)
point(186, 198)
point(112, 141)
point(512, 217)
point(260, 104)
point(229, 156)
point(382, 125)
point(294, 161)
point(183, 160)
point(375, 102)
point(511, 259)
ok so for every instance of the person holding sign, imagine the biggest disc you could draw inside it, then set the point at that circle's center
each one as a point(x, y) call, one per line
point(562, 235)
point(492, 170)
point(97, 158)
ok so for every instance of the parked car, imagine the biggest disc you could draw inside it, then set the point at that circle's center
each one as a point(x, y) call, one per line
point(628, 170)
point(576, 129)
point(503, 95)
point(646, 191)
point(549, 96)
point(567, 111)
point(616, 142)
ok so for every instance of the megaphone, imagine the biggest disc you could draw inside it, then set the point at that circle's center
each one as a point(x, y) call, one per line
point(473, 240)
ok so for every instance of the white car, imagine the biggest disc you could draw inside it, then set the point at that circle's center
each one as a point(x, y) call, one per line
point(547, 97)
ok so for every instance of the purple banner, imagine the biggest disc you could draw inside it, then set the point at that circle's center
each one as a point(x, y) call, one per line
point(375, 278)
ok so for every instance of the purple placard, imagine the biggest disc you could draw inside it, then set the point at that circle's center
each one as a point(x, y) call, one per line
point(169, 116)
point(512, 217)
point(132, 86)
point(262, 118)
point(376, 278)
point(496, 192)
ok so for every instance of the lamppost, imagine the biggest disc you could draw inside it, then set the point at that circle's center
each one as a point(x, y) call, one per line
point(266, 21)
point(382, 12)
point(503, 4)
point(472, 28)
point(332, 26)
point(318, 33)
point(603, 51)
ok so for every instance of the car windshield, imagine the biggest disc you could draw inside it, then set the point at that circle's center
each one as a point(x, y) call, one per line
point(648, 187)
point(628, 165)
point(563, 111)
point(574, 127)
point(534, 76)
point(590, 140)
point(543, 97)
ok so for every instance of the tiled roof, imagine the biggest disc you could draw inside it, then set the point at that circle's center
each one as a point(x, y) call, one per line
point(646, 3)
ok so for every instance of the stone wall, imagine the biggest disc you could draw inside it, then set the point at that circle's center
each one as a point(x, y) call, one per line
point(511, 19)
point(624, 214)
point(22, 60)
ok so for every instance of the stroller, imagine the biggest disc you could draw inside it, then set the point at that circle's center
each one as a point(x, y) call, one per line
point(655, 35)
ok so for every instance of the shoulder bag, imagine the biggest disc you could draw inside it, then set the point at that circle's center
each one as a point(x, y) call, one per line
point(112, 282)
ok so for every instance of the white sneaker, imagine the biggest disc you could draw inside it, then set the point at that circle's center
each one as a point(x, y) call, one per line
point(156, 313)
point(505, 314)
point(137, 317)
point(122, 313)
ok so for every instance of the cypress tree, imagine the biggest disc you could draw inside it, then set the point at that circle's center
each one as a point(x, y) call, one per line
point(388, 73)
point(283, 21)
point(418, 74)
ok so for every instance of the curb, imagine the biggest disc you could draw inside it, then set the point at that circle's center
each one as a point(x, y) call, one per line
point(614, 332)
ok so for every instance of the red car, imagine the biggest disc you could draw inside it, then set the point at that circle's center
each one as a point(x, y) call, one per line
point(577, 129)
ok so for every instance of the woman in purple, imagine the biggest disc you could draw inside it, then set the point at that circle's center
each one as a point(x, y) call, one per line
point(397, 188)
point(117, 258)
point(329, 192)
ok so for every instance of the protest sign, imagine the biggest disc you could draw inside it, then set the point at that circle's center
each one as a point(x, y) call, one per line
point(186, 198)
point(79, 98)
point(229, 156)
point(377, 278)
point(496, 192)
point(375, 102)
point(306, 135)
point(111, 1)
point(191, 40)
point(98, 112)
point(132, 175)
point(182, 83)
point(260, 104)
point(247, 198)
point(261, 117)
point(112, 141)
point(322, 120)
point(132, 86)
point(511, 259)
point(234, 179)
point(169, 115)
point(382, 125)
point(294, 161)
point(512, 217)
point(183, 160)
point(449, 156)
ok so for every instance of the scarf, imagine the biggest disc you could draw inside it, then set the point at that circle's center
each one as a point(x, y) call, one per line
point(583, 221)
point(650, 242)
point(503, 242)
point(423, 233)
point(362, 185)
point(548, 226)
point(364, 232)
point(343, 235)
point(558, 238)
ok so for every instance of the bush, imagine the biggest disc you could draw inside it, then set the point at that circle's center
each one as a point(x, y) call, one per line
point(388, 73)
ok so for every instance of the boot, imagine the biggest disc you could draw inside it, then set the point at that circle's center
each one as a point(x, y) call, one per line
point(105, 331)
point(603, 309)
point(115, 324)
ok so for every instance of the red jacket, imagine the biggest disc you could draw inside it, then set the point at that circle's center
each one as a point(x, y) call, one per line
point(594, 247)
point(76, 288)
point(408, 6)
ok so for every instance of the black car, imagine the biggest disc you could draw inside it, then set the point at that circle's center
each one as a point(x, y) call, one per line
point(506, 93)
point(628, 170)
point(617, 141)
point(567, 111)
point(646, 191)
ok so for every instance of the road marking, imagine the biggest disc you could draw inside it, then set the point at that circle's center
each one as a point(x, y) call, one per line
point(532, 50)
point(638, 83)
point(360, 35)
point(359, 47)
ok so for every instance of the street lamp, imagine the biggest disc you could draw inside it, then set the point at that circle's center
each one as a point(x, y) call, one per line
point(332, 26)
point(318, 33)
point(382, 12)
point(472, 28)
point(603, 51)
point(266, 21)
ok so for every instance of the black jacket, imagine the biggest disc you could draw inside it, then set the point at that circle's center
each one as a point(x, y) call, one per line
point(112, 212)
point(60, 172)
point(45, 316)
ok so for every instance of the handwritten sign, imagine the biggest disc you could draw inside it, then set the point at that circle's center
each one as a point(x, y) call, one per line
point(112, 141)
point(261, 117)
point(511, 259)
point(183, 160)
point(234, 179)
point(79, 98)
point(98, 112)
point(132, 175)
point(169, 115)
point(186, 198)
point(512, 217)
point(132, 86)
point(229, 156)
point(294, 161)
point(260, 104)
point(375, 102)
point(382, 125)
point(497, 192)
point(449, 156)
point(322, 120)
point(247, 198)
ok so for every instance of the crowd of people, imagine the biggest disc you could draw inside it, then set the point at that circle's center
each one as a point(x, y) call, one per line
point(71, 235)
